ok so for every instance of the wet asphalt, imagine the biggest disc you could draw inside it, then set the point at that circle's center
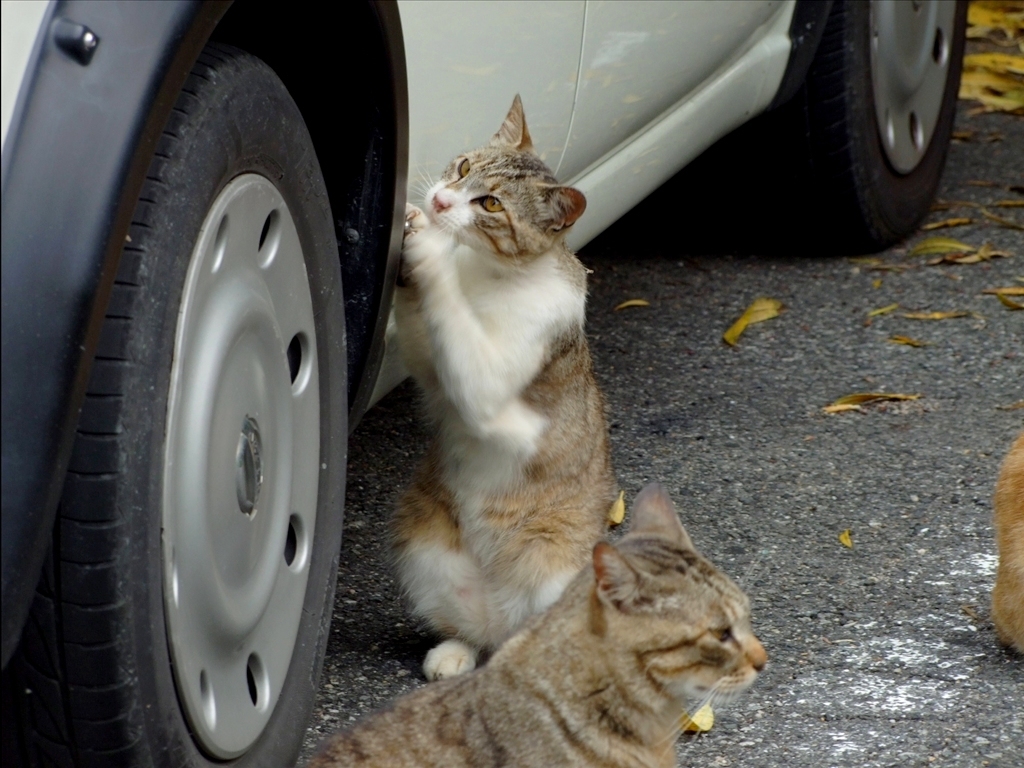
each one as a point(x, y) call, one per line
point(882, 654)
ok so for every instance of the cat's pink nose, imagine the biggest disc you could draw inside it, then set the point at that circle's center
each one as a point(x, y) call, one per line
point(442, 201)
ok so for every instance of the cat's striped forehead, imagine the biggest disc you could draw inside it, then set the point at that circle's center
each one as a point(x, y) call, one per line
point(680, 578)
point(506, 164)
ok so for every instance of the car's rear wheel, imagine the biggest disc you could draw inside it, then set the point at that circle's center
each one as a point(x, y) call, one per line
point(875, 115)
point(183, 613)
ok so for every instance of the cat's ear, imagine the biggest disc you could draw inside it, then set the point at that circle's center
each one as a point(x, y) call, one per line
point(617, 582)
point(513, 132)
point(653, 512)
point(566, 206)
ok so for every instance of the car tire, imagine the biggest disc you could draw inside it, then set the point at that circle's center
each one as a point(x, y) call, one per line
point(111, 650)
point(865, 193)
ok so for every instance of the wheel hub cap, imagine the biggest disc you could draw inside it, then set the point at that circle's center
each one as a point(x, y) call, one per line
point(910, 47)
point(241, 466)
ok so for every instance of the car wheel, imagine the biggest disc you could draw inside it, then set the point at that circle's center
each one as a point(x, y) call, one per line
point(876, 114)
point(184, 609)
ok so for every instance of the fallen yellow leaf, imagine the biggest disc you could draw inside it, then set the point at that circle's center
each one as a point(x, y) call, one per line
point(1008, 204)
point(906, 340)
point(876, 283)
point(1008, 303)
point(1013, 290)
point(845, 539)
point(936, 245)
point(883, 310)
point(995, 62)
point(1002, 220)
point(841, 408)
point(700, 722)
point(762, 309)
point(985, 253)
point(870, 260)
point(618, 511)
point(1012, 406)
point(946, 223)
point(871, 397)
point(633, 303)
point(934, 315)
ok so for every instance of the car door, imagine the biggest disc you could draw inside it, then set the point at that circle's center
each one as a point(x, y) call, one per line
point(639, 58)
point(465, 63)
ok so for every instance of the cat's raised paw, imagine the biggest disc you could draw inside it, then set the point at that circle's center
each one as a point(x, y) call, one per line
point(450, 658)
point(415, 220)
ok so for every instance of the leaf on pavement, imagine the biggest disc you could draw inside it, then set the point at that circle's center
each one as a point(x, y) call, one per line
point(876, 283)
point(908, 341)
point(846, 539)
point(938, 245)
point(1008, 302)
point(1011, 407)
point(1008, 204)
point(998, 22)
point(871, 397)
point(1002, 221)
point(935, 315)
point(762, 309)
point(633, 303)
point(700, 722)
point(618, 511)
point(995, 62)
point(958, 221)
point(868, 260)
point(985, 253)
point(841, 408)
point(883, 310)
point(1012, 290)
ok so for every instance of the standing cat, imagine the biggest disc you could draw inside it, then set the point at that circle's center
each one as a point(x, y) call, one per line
point(1008, 595)
point(517, 483)
point(600, 679)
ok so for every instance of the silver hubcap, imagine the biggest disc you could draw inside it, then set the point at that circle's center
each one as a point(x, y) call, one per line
point(910, 47)
point(241, 466)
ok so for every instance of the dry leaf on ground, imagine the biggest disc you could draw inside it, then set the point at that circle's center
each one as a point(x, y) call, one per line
point(1012, 290)
point(906, 340)
point(883, 310)
point(700, 722)
point(846, 539)
point(1012, 406)
point(1008, 204)
point(935, 315)
point(1002, 220)
point(633, 303)
point(958, 221)
point(855, 401)
point(995, 62)
point(876, 283)
point(994, 80)
point(868, 260)
point(841, 408)
point(985, 253)
point(618, 511)
point(1008, 302)
point(938, 245)
point(762, 309)
point(1001, 23)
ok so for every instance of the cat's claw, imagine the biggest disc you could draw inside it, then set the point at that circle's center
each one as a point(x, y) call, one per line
point(450, 658)
point(415, 220)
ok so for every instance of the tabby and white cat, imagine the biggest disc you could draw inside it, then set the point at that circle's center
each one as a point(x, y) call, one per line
point(1008, 595)
point(601, 679)
point(517, 483)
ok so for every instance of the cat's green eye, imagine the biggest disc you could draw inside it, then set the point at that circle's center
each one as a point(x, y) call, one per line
point(492, 204)
point(464, 169)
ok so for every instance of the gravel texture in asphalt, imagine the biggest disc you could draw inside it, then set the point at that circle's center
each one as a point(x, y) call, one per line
point(882, 654)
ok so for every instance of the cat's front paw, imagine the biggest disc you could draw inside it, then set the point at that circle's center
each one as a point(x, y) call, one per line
point(450, 658)
point(415, 220)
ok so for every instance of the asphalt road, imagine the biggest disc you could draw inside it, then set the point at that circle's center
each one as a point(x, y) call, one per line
point(880, 655)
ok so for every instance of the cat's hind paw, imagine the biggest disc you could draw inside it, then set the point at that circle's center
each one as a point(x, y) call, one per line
point(450, 658)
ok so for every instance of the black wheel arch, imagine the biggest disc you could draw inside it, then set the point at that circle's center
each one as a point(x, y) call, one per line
point(74, 162)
